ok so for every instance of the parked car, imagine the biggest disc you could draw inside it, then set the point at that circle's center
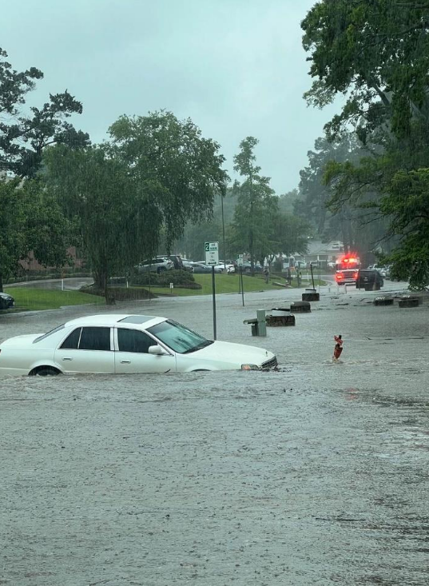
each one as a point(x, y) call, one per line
point(247, 267)
point(369, 279)
point(6, 300)
point(187, 265)
point(156, 265)
point(200, 267)
point(176, 259)
point(125, 344)
point(207, 268)
point(225, 266)
point(384, 270)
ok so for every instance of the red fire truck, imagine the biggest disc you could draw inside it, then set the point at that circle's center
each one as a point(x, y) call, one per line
point(347, 269)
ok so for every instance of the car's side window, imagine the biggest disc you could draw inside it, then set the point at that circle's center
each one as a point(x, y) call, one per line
point(134, 341)
point(72, 340)
point(95, 339)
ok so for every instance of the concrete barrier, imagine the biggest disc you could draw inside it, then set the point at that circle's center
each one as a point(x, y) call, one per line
point(280, 317)
point(383, 301)
point(300, 307)
point(311, 295)
point(409, 301)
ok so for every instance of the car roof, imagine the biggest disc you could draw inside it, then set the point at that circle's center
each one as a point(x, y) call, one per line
point(112, 319)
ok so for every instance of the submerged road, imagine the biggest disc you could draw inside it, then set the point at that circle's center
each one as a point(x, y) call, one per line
point(316, 474)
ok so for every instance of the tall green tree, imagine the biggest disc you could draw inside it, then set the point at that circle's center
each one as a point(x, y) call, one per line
point(30, 220)
point(377, 54)
point(334, 214)
point(116, 220)
point(256, 204)
point(24, 135)
point(290, 234)
point(192, 242)
point(172, 161)
point(126, 195)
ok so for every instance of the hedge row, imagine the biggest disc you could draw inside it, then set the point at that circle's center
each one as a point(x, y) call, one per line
point(180, 279)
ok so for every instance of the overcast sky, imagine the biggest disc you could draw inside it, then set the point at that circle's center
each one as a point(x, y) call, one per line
point(236, 67)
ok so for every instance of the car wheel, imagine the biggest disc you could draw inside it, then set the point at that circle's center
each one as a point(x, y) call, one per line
point(160, 270)
point(45, 371)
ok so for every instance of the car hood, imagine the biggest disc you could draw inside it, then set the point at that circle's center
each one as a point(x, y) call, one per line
point(234, 353)
point(21, 340)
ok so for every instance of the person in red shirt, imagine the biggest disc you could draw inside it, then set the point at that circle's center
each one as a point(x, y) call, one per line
point(338, 347)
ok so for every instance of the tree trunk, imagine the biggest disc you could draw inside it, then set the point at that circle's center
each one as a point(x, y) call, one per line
point(252, 255)
point(101, 280)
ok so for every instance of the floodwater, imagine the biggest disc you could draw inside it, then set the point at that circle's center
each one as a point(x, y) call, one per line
point(316, 474)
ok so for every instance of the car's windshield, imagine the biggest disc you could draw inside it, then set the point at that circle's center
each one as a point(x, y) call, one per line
point(178, 338)
point(42, 337)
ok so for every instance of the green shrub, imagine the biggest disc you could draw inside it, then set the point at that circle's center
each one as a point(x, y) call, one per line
point(179, 278)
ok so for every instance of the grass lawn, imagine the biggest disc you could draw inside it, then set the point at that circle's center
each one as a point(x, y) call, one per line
point(227, 284)
point(27, 299)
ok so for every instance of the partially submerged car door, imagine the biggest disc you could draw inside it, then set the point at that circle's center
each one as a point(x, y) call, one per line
point(86, 350)
point(132, 354)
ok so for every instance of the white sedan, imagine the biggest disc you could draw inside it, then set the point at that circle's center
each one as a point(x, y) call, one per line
point(125, 344)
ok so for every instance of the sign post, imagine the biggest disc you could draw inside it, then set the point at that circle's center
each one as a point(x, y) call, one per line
point(212, 258)
point(240, 277)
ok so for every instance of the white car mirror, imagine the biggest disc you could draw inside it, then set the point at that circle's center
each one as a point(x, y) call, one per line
point(157, 350)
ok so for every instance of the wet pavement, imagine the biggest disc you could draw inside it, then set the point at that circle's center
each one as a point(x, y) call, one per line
point(316, 474)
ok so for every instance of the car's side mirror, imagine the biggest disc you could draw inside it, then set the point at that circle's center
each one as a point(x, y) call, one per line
point(157, 350)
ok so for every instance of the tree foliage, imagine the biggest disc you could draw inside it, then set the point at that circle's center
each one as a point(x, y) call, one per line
point(24, 135)
point(256, 204)
point(377, 54)
point(170, 159)
point(126, 195)
point(259, 228)
point(333, 207)
point(30, 220)
point(117, 223)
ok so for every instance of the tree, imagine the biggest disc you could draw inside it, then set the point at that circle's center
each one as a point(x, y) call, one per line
point(287, 201)
point(407, 205)
point(24, 137)
point(125, 195)
point(333, 213)
point(116, 220)
point(194, 236)
point(290, 234)
point(256, 204)
point(377, 53)
point(170, 160)
point(30, 220)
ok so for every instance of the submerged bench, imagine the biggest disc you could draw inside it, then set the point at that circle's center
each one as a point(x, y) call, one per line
point(258, 324)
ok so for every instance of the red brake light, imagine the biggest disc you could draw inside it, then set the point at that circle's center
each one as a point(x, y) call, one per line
point(355, 275)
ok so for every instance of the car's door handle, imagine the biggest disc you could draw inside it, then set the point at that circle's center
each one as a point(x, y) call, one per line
point(67, 358)
point(125, 361)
